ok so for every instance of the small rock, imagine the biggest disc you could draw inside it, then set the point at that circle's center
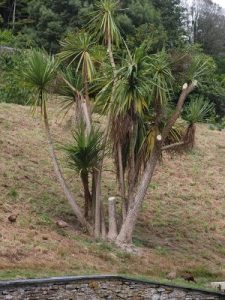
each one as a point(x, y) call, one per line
point(62, 224)
point(171, 275)
point(12, 218)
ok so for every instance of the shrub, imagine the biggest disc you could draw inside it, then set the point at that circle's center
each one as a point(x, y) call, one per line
point(12, 88)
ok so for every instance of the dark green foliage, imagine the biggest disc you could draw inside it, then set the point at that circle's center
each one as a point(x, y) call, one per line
point(172, 18)
point(39, 75)
point(155, 24)
point(208, 27)
point(53, 19)
point(84, 152)
point(12, 88)
point(198, 110)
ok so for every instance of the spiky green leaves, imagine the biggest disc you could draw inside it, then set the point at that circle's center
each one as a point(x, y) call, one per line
point(141, 84)
point(79, 48)
point(201, 68)
point(103, 22)
point(162, 78)
point(198, 110)
point(84, 153)
point(40, 72)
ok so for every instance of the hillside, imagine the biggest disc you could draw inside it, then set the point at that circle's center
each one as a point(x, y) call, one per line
point(182, 224)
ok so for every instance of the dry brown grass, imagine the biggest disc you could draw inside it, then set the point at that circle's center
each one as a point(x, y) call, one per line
point(181, 226)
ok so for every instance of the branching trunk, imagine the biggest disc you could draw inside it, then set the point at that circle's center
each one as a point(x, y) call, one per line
point(126, 232)
point(186, 91)
point(76, 209)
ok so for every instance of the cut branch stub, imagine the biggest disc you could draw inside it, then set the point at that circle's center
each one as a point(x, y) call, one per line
point(112, 234)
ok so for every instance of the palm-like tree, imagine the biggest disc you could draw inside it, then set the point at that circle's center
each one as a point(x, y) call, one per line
point(142, 89)
point(39, 75)
point(84, 156)
point(80, 50)
point(103, 24)
point(197, 111)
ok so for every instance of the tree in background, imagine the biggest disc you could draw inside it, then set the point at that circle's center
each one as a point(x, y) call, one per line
point(207, 26)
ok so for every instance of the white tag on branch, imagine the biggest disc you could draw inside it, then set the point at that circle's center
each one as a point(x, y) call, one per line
point(185, 86)
point(112, 199)
point(159, 137)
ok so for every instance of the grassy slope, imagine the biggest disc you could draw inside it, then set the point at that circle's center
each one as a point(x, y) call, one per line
point(182, 223)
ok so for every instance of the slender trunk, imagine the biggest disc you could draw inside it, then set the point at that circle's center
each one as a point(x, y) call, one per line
point(173, 146)
point(86, 92)
point(103, 227)
point(76, 209)
point(112, 234)
point(86, 114)
point(93, 193)
point(78, 111)
point(119, 149)
point(122, 181)
point(111, 57)
point(98, 202)
point(87, 194)
point(98, 205)
point(83, 104)
point(132, 172)
point(183, 96)
point(14, 16)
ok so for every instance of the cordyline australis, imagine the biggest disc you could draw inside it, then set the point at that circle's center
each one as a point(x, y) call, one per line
point(132, 94)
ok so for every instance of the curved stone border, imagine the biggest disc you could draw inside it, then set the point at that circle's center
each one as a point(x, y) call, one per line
point(20, 284)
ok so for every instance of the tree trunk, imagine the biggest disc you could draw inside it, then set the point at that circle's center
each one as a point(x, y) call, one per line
point(83, 104)
point(189, 137)
point(93, 193)
point(76, 209)
point(132, 165)
point(98, 205)
point(14, 16)
point(98, 201)
point(98, 181)
point(86, 114)
point(77, 112)
point(112, 234)
point(125, 235)
point(103, 227)
point(111, 57)
point(183, 96)
point(87, 194)
point(86, 91)
point(121, 181)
